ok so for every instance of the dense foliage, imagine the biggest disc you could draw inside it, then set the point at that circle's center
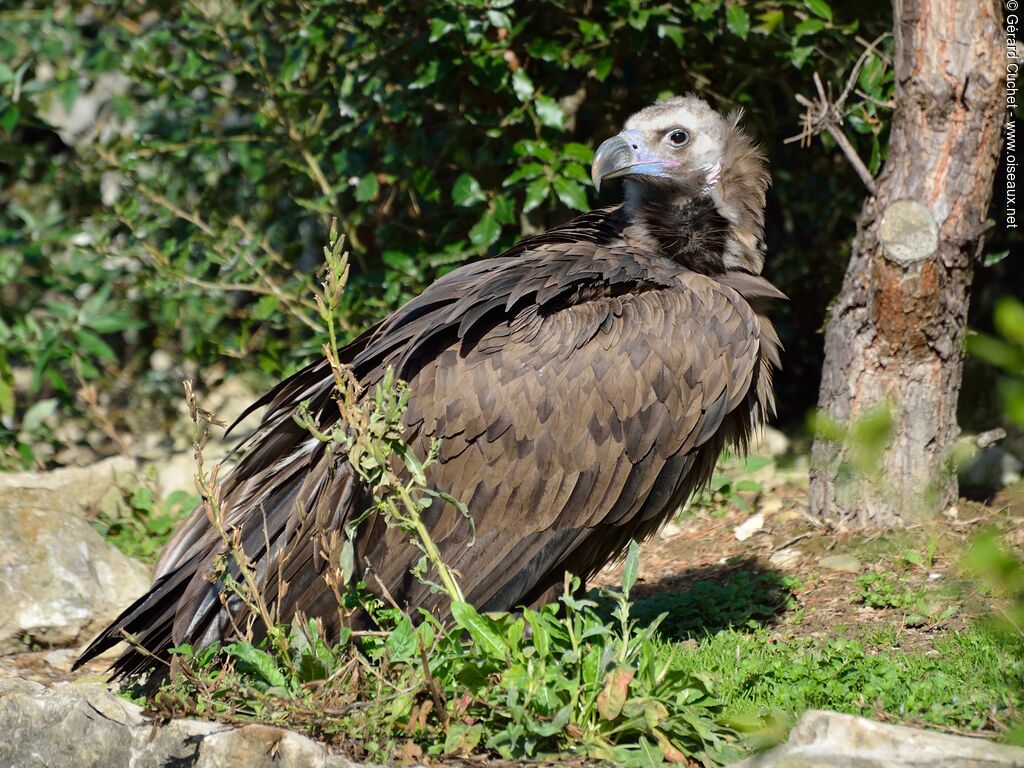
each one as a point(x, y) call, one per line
point(167, 171)
point(559, 681)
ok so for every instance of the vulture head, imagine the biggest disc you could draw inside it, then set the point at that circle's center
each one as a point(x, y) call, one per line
point(679, 156)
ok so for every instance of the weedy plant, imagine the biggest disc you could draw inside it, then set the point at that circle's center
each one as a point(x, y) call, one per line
point(561, 680)
point(141, 522)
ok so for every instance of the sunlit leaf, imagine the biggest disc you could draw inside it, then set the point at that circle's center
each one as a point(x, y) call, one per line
point(738, 20)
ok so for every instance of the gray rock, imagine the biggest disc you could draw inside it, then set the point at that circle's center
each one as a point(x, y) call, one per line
point(770, 442)
point(990, 467)
point(785, 558)
point(847, 563)
point(59, 581)
point(832, 740)
point(84, 485)
point(84, 725)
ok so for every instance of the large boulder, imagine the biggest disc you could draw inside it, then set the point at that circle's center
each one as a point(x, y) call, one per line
point(833, 740)
point(86, 486)
point(85, 726)
point(60, 582)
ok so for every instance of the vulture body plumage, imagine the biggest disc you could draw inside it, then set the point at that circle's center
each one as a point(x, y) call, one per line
point(582, 384)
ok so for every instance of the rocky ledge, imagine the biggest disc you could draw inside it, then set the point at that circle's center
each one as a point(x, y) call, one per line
point(833, 740)
point(84, 725)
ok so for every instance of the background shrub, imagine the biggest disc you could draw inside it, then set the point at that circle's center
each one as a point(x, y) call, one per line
point(168, 170)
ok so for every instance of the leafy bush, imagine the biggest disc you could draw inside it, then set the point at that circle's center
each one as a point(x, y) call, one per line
point(527, 686)
point(1006, 352)
point(168, 172)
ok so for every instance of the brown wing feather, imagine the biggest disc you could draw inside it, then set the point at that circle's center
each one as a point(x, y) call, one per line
point(582, 387)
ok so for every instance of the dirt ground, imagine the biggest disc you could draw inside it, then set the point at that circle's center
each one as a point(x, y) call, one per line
point(824, 564)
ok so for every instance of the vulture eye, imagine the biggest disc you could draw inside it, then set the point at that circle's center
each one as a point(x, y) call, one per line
point(678, 138)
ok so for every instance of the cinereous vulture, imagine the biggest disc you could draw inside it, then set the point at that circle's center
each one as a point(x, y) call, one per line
point(582, 383)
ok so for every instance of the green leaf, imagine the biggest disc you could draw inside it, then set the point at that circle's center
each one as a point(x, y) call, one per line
point(347, 559)
point(875, 161)
point(317, 205)
point(754, 463)
point(401, 643)
point(94, 345)
point(525, 171)
point(439, 28)
point(466, 191)
point(631, 567)
point(808, 27)
point(819, 8)
point(871, 74)
point(112, 322)
point(671, 32)
point(499, 19)
point(462, 739)
point(549, 112)
point(9, 119)
point(6, 396)
point(427, 76)
point(1009, 319)
point(536, 193)
point(603, 67)
point(800, 54)
point(650, 709)
point(265, 307)
point(37, 414)
point(612, 697)
point(769, 20)
point(571, 193)
point(486, 231)
point(522, 85)
point(994, 257)
point(260, 664)
point(142, 499)
point(541, 633)
point(738, 20)
point(367, 188)
point(480, 628)
point(581, 153)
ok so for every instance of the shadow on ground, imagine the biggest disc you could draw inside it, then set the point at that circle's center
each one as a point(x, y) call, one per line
point(739, 594)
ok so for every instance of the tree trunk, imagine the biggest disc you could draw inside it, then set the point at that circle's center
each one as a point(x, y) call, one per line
point(894, 338)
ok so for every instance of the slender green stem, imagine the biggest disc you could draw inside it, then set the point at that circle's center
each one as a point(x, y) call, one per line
point(451, 586)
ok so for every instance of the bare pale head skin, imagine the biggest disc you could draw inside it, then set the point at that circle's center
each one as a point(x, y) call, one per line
point(679, 148)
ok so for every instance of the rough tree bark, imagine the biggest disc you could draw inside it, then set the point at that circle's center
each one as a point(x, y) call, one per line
point(895, 334)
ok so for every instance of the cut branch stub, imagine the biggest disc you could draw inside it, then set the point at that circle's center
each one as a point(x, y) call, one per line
point(909, 232)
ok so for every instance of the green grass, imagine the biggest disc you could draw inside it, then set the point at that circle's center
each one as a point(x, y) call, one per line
point(963, 679)
point(957, 682)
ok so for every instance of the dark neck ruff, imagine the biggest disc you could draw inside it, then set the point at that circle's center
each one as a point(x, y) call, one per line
point(691, 232)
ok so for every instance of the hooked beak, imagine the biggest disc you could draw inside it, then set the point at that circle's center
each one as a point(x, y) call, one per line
point(624, 155)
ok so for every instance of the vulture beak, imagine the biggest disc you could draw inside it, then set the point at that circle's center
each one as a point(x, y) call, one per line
point(624, 155)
